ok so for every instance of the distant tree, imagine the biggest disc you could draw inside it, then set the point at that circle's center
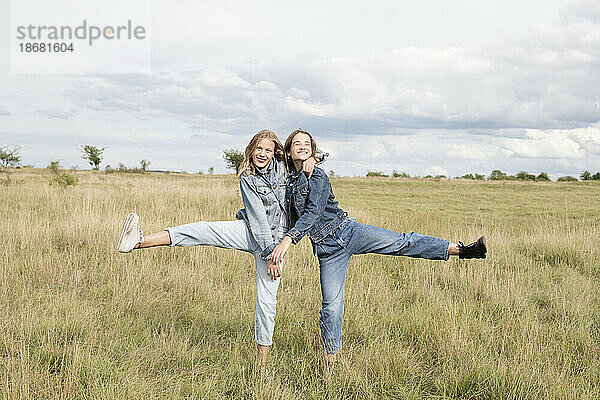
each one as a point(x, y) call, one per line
point(596, 176)
point(233, 158)
point(479, 177)
point(467, 176)
point(524, 176)
point(497, 175)
point(144, 164)
point(376, 173)
point(567, 179)
point(54, 166)
point(211, 170)
point(331, 173)
point(586, 176)
point(93, 155)
point(542, 177)
point(396, 174)
point(9, 158)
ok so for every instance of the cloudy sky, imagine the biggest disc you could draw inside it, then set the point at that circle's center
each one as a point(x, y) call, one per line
point(431, 87)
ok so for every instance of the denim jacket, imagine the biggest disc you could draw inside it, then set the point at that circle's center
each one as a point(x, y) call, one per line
point(263, 194)
point(312, 208)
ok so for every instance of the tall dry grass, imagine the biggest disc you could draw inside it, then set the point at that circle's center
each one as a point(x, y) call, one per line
point(79, 320)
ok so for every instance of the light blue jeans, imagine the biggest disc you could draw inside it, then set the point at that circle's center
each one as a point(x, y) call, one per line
point(334, 254)
point(235, 235)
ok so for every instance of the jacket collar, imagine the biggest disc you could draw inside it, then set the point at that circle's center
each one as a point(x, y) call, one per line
point(295, 175)
point(265, 170)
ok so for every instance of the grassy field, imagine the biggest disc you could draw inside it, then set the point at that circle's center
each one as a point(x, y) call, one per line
point(80, 321)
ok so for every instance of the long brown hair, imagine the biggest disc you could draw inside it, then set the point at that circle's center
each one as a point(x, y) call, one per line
point(289, 164)
point(247, 165)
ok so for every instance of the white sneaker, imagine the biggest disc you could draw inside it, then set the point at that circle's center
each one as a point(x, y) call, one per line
point(131, 234)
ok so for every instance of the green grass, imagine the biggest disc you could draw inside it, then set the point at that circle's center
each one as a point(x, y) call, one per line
point(78, 320)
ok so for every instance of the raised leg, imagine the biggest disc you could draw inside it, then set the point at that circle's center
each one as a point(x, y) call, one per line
point(224, 234)
point(373, 239)
point(156, 239)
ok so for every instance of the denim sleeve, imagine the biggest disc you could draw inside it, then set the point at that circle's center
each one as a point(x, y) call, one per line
point(257, 218)
point(316, 200)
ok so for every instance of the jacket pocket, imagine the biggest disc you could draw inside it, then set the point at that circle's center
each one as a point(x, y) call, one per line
point(262, 189)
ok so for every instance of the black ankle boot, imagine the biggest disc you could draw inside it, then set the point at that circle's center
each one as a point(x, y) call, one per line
point(474, 250)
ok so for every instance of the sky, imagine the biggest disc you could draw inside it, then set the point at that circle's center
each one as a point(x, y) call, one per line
point(432, 87)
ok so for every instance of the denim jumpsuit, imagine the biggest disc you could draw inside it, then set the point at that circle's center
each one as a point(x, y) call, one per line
point(258, 230)
point(335, 238)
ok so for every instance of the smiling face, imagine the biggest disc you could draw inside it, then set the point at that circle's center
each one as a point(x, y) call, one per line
point(301, 147)
point(263, 153)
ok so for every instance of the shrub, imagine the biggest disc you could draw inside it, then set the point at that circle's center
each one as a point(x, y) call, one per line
point(586, 176)
point(497, 175)
point(144, 164)
point(542, 177)
point(524, 176)
point(61, 179)
point(376, 173)
point(124, 168)
point(567, 179)
point(396, 174)
point(54, 167)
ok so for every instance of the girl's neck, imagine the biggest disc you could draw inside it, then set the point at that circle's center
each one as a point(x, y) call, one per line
point(297, 165)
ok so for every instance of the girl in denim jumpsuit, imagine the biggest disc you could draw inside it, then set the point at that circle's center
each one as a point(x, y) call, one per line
point(335, 237)
point(259, 227)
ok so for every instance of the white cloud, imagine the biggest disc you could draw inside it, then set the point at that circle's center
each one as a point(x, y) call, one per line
point(58, 113)
point(543, 145)
point(466, 151)
point(377, 93)
point(437, 170)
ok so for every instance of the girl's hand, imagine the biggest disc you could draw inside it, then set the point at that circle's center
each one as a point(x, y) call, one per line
point(273, 270)
point(279, 251)
point(309, 165)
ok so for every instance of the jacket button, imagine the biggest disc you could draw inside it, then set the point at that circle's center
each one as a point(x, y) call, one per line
point(272, 227)
point(274, 186)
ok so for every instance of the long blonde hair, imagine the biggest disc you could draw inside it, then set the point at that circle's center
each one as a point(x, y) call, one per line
point(247, 166)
